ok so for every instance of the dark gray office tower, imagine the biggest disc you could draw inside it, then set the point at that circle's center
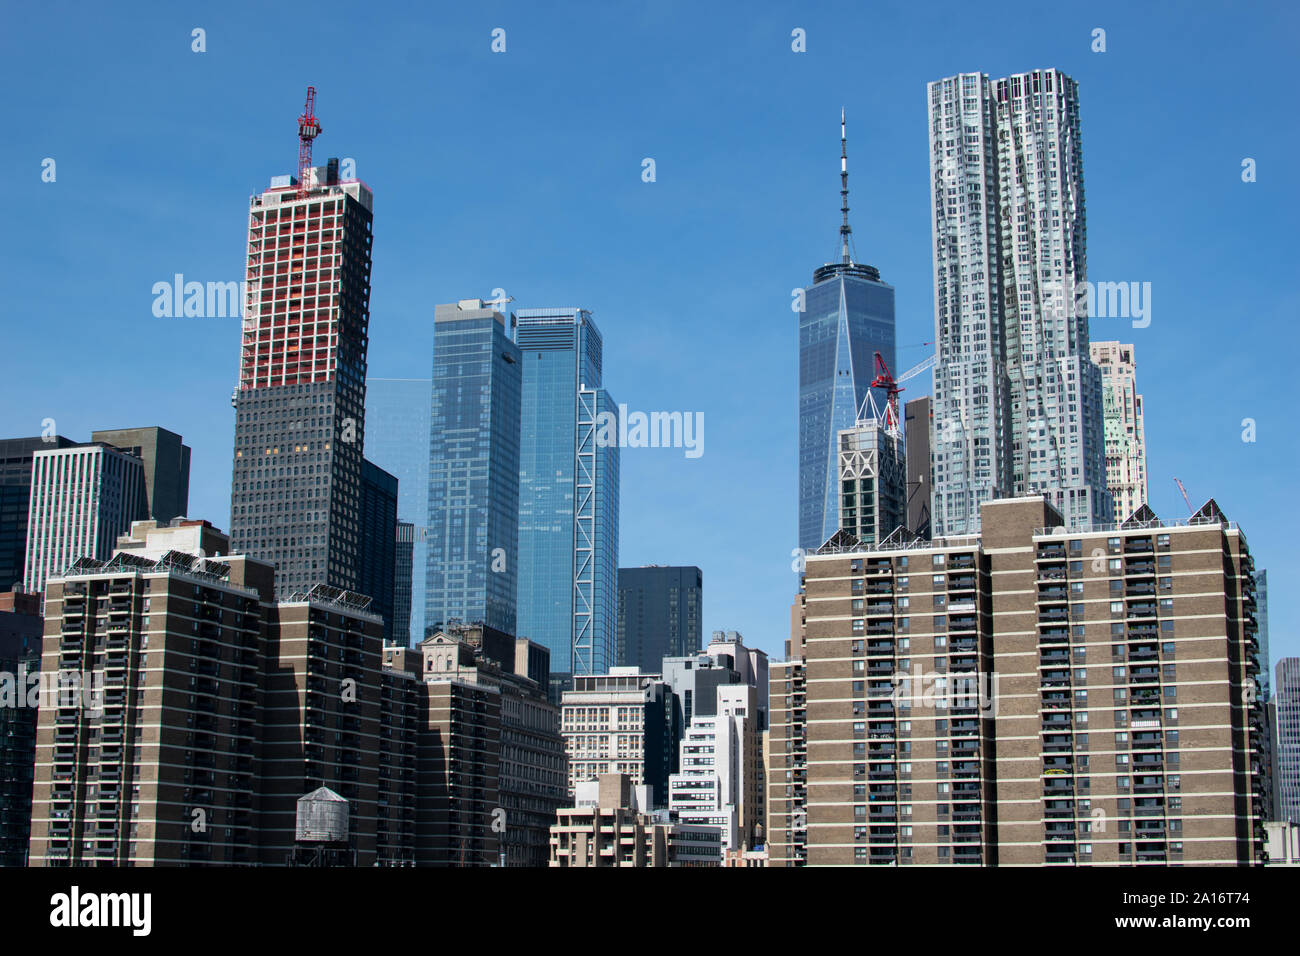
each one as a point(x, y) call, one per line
point(20, 655)
point(404, 584)
point(660, 614)
point(166, 461)
point(916, 436)
point(15, 495)
point(300, 406)
point(377, 572)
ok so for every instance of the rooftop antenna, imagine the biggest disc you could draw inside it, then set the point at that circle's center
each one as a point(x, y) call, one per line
point(846, 233)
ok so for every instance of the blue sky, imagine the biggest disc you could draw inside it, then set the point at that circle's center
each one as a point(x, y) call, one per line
point(522, 171)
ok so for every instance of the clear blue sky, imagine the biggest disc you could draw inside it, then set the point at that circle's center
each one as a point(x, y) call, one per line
point(522, 170)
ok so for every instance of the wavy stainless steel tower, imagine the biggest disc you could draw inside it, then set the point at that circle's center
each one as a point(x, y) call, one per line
point(1017, 398)
point(847, 316)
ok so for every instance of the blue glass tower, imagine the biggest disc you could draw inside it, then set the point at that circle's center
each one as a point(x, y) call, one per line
point(471, 567)
point(397, 440)
point(847, 316)
point(568, 494)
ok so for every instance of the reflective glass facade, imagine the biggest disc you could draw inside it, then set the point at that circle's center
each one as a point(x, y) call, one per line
point(848, 316)
point(397, 440)
point(471, 569)
point(568, 494)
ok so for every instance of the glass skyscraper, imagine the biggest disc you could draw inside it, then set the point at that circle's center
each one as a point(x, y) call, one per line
point(471, 567)
point(847, 316)
point(397, 440)
point(568, 494)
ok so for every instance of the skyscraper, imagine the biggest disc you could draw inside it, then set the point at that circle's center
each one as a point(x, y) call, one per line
point(1017, 398)
point(872, 478)
point(1286, 742)
point(1126, 444)
point(20, 657)
point(916, 436)
point(472, 570)
point(847, 316)
point(1265, 661)
point(82, 498)
point(15, 498)
point(397, 440)
point(568, 494)
point(166, 460)
point(404, 583)
point(660, 614)
point(377, 574)
point(300, 406)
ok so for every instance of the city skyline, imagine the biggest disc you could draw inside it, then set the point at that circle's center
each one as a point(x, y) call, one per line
point(661, 275)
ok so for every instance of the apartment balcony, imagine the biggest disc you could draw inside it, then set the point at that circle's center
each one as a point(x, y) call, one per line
point(1054, 615)
point(1138, 545)
point(1050, 572)
point(1052, 594)
point(1140, 589)
point(1144, 675)
point(1051, 551)
point(1055, 657)
point(963, 623)
point(1058, 787)
point(1141, 609)
point(880, 647)
point(1139, 567)
point(1053, 634)
point(1056, 809)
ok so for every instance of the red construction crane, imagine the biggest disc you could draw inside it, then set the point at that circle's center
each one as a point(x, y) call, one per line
point(308, 130)
point(1190, 509)
point(884, 379)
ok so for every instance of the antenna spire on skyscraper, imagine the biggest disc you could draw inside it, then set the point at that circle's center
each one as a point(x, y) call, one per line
point(846, 233)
